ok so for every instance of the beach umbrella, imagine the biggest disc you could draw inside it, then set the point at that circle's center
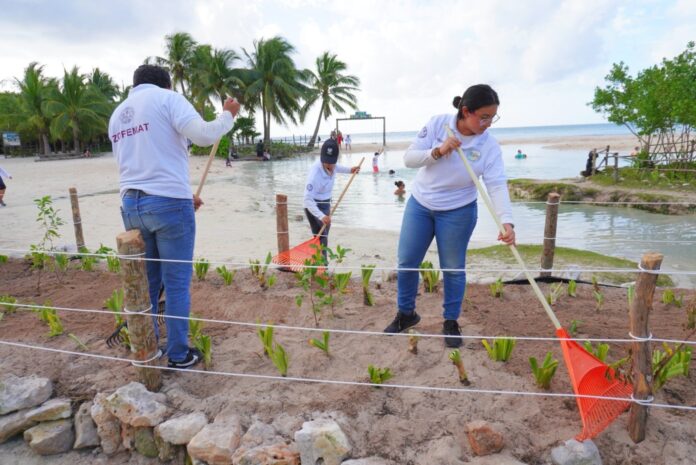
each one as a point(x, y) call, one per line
point(593, 381)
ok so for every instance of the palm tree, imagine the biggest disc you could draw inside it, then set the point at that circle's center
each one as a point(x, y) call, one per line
point(33, 90)
point(179, 49)
point(76, 106)
point(104, 84)
point(274, 83)
point(331, 87)
point(213, 75)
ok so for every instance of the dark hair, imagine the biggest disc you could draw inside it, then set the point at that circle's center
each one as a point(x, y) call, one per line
point(399, 184)
point(475, 97)
point(152, 74)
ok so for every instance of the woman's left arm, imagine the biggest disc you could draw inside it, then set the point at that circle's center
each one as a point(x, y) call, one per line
point(496, 185)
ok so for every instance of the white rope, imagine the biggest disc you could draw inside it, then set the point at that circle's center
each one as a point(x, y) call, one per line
point(133, 312)
point(340, 268)
point(358, 383)
point(641, 339)
point(342, 331)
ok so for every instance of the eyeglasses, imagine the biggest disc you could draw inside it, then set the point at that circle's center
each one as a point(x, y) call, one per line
point(488, 120)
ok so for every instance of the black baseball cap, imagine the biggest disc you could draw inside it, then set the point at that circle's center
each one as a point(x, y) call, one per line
point(329, 152)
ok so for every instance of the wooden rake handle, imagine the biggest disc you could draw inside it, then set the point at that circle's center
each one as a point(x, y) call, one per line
point(333, 210)
point(513, 249)
point(213, 151)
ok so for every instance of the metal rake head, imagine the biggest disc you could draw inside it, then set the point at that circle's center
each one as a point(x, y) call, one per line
point(119, 336)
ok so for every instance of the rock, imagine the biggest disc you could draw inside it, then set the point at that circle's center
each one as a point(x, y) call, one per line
point(85, 429)
point(108, 426)
point(13, 424)
point(22, 393)
point(259, 434)
point(181, 430)
point(276, 454)
point(167, 451)
point(51, 437)
point(127, 436)
point(54, 409)
point(134, 405)
point(322, 440)
point(366, 461)
point(216, 442)
point(576, 453)
point(145, 442)
point(483, 439)
point(445, 450)
point(498, 459)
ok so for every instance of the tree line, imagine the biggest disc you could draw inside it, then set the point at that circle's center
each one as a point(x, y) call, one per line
point(76, 107)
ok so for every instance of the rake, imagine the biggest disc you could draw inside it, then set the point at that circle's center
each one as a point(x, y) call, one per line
point(294, 258)
point(591, 378)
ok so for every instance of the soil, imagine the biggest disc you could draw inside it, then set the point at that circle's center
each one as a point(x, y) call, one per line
point(408, 426)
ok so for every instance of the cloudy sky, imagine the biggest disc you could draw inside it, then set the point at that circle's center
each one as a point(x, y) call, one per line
point(544, 57)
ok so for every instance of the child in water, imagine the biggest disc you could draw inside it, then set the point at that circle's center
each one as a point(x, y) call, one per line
point(400, 188)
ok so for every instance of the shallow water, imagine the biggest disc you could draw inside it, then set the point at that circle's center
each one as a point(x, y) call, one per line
point(371, 204)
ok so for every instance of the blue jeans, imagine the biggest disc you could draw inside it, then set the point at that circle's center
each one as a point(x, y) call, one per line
point(316, 224)
point(452, 230)
point(168, 227)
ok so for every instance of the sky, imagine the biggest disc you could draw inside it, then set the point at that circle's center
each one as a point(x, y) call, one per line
point(543, 57)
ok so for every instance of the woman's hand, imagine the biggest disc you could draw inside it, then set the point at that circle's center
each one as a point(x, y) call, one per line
point(197, 202)
point(450, 144)
point(509, 237)
point(326, 220)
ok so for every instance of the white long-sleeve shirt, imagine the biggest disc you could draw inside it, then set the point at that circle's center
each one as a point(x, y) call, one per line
point(445, 184)
point(148, 134)
point(4, 174)
point(319, 186)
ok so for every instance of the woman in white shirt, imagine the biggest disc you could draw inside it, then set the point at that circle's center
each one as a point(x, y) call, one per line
point(443, 203)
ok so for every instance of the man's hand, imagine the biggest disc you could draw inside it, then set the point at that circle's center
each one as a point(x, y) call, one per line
point(355, 169)
point(509, 236)
point(326, 220)
point(197, 202)
point(231, 105)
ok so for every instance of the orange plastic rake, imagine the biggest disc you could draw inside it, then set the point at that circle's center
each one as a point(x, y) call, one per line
point(589, 375)
point(294, 258)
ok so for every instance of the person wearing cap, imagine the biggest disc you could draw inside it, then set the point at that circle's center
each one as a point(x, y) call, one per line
point(443, 203)
point(320, 181)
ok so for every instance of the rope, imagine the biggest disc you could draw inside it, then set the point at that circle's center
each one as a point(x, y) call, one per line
point(348, 331)
point(363, 384)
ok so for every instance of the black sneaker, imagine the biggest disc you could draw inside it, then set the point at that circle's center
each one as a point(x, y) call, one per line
point(194, 356)
point(402, 322)
point(451, 328)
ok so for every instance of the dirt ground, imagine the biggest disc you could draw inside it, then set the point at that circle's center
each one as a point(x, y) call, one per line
point(408, 426)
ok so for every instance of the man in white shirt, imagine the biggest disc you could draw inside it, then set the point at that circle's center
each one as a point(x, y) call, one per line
point(149, 133)
point(3, 174)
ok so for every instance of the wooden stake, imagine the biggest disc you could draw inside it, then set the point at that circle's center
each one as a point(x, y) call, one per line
point(642, 361)
point(282, 231)
point(138, 307)
point(77, 219)
point(552, 202)
point(616, 167)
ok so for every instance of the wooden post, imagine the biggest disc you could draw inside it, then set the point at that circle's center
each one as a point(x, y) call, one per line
point(594, 162)
point(77, 219)
point(552, 202)
point(642, 360)
point(137, 306)
point(616, 167)
point(282, 223)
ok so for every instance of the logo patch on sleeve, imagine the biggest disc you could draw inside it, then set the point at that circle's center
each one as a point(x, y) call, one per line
point(310, 188)
point(423, 132)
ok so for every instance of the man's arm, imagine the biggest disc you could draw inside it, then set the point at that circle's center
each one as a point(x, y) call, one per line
point(204, 133)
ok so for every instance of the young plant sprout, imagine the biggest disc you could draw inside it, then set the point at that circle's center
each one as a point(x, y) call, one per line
point(323, 344)
point(201, 267)
point(62, 261)
point(670, 363)
point(341, 281)
point(430, 276)
point(501, 349)
point(201, 341)
point(87, 261)
point(573, 328)
point(630, 294)
point(51, 318)
point(280, 359)
point(379, 375)
point(226, 275)
point(366, 273)
point(266, 338)
point(496, 288)
point(669, 297)
point(112, 262)
point(599, 300)
point(572, 288)
point(7, 299)
point(601, 351)
point(544, 373)
point(456, 357)
point(555, 293)
point(413, 341)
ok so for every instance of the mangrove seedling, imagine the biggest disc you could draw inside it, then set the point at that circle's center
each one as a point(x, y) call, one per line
point(601, 351)
point(50, 222)
point(315, 284)
point(630, 294)
point(431, 277)
point(413, 341)
point(366, 273)
point(323, 344)
point(501, 349)
point(599, 300)
point(691, 314)
point(201, 267)
point(266, 338)
point(280, 359)
point(50, 317)
point(670, 363)
point(340, 281)
point(80, 345)
point(260, 271)
point(572, 288)
point(201, 341)
point(3, 259)
point(87, 261)
point(112, 262)
point(555, 293)
point(496, 288)
point(669, 298)
point(62, 261)
point(115, 304)
point(544, 373)
point(573, 328)
point(379, 375)
point(456, 357)
point(226, 275)
point(7, 299)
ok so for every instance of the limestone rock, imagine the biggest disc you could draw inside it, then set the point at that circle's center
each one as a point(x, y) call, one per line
point(367, 461)
point(576, 453)
point(127, 436)
point(22, 393)
point(108, 426)
point(13, 424)
point(216, 442)
point(322, 440)
point(51, 437)
point(54, 409)
point(483, 439)
point(275, 454)
point(134, 405)
point(145, 442)
point(85, 429)
point(181, 430)
point(498, 459)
